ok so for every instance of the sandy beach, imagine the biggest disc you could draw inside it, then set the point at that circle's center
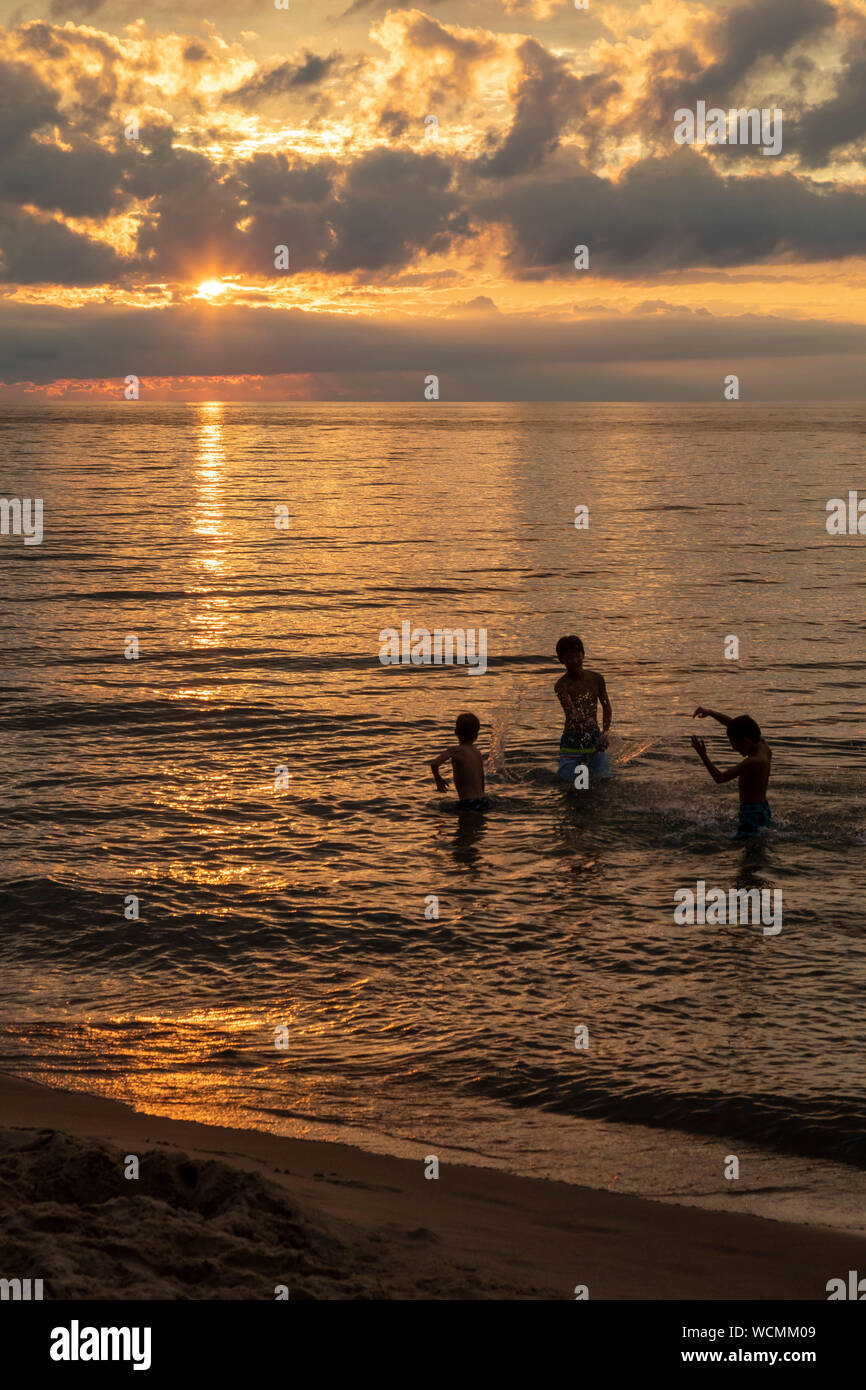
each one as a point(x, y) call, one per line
point(226, 1214)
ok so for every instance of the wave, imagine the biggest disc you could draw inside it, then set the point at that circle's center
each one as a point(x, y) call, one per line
point(829, 1128)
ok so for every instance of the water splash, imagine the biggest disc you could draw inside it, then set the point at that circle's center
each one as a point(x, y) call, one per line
point(630, 755)
point(503, 720)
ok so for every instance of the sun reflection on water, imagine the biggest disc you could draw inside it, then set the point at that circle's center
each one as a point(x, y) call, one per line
point(209, 524)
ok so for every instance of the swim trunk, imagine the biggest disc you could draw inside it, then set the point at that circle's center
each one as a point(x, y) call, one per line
point(473, 803)
point(579, 747)
point(752, 818)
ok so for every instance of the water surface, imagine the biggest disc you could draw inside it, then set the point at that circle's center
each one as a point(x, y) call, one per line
point(304, 906)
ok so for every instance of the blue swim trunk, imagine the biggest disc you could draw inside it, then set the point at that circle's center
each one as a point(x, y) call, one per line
point(752, 818)
point(580, 747)
point(473, 803)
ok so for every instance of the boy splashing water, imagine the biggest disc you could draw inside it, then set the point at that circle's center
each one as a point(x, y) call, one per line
point(580, 692)
point(753, 773)
point(467, 765)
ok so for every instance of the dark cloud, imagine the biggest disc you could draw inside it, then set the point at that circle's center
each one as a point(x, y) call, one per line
point(85, 181)
point(762, 29)
point(678, 212)
point(741, 38)
point(840, 120)
point(279, 180)
point(373, 217)
point(81, 181)
point(42, 343)
point(196, 52)
point(193, 205)
point(312, 69)
point(360, 5)
point(159, 166)
point(190, 230)
point(288, 203)
point(393, 123)
point(671, 212)
point(75, 9)
point(547, 98)
point(44, 252)
point(481, 304)
point(465, 47)
point(285, 77)
point(26, 104)
point(391, 205)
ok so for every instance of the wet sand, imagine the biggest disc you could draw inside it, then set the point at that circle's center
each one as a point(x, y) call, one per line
point(225, 1213)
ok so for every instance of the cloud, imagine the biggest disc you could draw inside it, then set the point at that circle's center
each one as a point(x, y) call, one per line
point(389, 208)
point(281, 180)
point(838, 121)
point(190, 230)
point(432, 66)
point(481, 304)
point(393, 204)
point(82, 181)
point(358, 6)
point(751, 33)
point(283, 78)
point(196, 52)
point(674, 211)
point(538, 150)
point(522, 353)
point(546, 98)
point(26, 104)
point(538, 9)
point(37, 251)
point(725, 58)
point(86, 69)
point(288, 203)
point(75, 9)
point(375, 216)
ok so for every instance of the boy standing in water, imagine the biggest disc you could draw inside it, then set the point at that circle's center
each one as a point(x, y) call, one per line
point(467, 765)
point(580, 692)
point(753, 773)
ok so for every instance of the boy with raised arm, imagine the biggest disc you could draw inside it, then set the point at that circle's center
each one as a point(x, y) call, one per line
point(753, 773)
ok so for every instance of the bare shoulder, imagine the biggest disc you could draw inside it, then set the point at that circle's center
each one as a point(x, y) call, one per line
point(753, 760)
point(595, 676)
point(560, 683)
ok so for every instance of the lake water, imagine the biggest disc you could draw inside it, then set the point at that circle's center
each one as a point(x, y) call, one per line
point(304, 905)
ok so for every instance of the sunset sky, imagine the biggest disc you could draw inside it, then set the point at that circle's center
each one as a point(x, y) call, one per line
point(417, 248)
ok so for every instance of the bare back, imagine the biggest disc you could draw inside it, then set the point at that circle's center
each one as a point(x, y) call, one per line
point(755, 775)
point(468, 768)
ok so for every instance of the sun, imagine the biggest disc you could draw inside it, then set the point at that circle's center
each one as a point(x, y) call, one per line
point(210, 289)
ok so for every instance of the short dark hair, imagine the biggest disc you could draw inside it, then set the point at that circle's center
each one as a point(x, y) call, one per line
point(467, 727)
point(743, 727)
point(566, 645)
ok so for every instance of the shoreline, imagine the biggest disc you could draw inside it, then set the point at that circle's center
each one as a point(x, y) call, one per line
point(227, 1213)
